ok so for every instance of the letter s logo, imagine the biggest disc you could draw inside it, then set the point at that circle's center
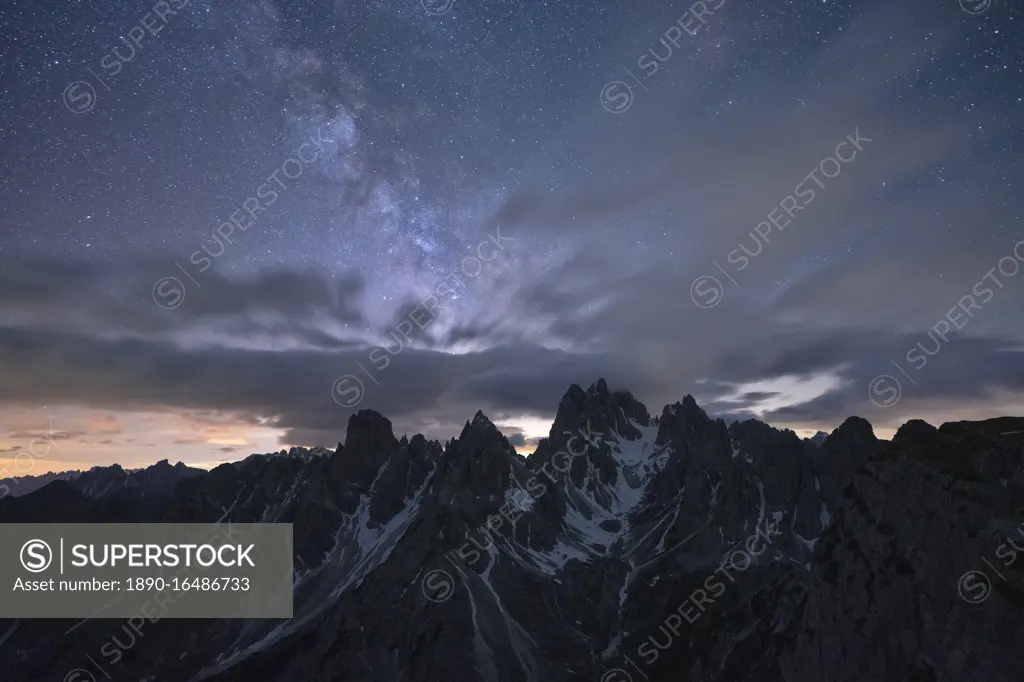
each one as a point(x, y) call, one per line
point(36, 556)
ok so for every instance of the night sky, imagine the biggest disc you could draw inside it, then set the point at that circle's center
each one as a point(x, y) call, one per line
point(212, 212)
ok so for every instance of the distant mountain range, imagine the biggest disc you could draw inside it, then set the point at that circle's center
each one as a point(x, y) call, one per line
point(23, 485)
point(100, 481)
point(628, 547)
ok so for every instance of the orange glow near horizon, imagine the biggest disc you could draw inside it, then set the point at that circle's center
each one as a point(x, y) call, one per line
point(61, 438)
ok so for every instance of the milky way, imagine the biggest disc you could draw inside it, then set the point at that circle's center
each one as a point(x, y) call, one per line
point(211, 211)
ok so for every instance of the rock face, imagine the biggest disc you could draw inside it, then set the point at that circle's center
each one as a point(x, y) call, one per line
point(628, 546)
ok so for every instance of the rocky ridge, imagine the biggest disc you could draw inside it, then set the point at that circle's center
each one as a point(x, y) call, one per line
point(602, 553)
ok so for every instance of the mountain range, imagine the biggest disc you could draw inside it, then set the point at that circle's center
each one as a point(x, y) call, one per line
point(627, 547)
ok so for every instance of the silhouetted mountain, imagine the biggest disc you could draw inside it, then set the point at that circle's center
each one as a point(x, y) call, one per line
point(609, 554)
point(23, 485)
point(102, 480)
point(818, 438)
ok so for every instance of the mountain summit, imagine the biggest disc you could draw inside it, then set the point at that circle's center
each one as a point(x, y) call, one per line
point(627, 547)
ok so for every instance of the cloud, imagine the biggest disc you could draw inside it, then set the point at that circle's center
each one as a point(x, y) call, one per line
point(291, 389)
point(50, 435)
point(115, 299)
point(598, 284)
point(517, 440)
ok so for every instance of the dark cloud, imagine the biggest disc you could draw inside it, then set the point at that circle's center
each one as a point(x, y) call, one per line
point(732, 417)
point(516, 440)
point(112, 298)
point(607, 221)
point(292, 389)
point(756, 396)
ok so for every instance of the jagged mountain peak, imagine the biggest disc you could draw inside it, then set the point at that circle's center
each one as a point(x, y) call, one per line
point(689, 402)
point(915, 429)
point(856, 427)
point(113, 467)
point(686, 420)
point(420, 441)
point(562, 571)
point(479, 418)
point(479, 435)
point(574, 395)
point(369, 442)
point(371, 430)
point(751, 435)
point(818, 439)
point(166, 464)
point(606, 411)
point(476, 468)
point(686, 410)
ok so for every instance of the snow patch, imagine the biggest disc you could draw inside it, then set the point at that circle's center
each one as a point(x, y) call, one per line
point(807, 543)
point(360, 547)
point(521, 499)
